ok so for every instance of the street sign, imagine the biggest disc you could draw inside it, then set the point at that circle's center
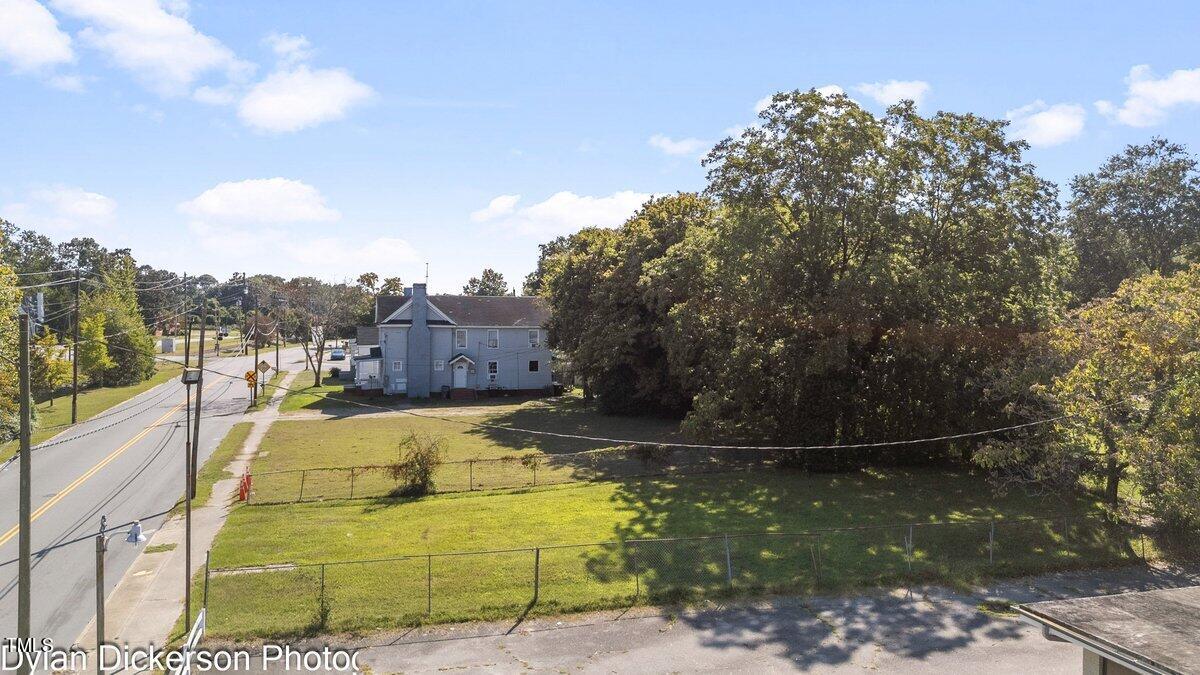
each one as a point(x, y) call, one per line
point(250, 376)
point(263, 367)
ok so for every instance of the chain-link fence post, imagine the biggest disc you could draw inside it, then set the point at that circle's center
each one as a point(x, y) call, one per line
point(537, 573)
point(470, 475)
point(322, 603)
point(351, 482)
point(728, 563)
point(303, 475)
point(207, 560)
point(814, 550)
point(428, 585)
point(908, 549)
point(992, 542)
point(637, 574)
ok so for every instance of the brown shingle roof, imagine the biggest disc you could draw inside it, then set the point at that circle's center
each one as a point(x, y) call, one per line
point(476, 310)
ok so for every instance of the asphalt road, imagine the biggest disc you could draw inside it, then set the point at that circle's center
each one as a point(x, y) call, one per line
point(127, 464)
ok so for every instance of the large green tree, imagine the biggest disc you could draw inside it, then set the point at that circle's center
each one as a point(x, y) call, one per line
point(10, 299)
point(1139, 213)
point(489, 282)
point(610, 317)
point(130, 347)
point(49, 371)
point(844, 278)
point(1119, 382)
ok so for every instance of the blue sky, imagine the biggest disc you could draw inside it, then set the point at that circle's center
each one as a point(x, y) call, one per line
point(333, 138)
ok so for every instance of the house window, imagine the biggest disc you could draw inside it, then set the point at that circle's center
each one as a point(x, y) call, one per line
point(493, 338)
point(534, 337)
point(493, 370)
point(534, 366)
point(439, 365)
point(397, 366)
point(460, 338)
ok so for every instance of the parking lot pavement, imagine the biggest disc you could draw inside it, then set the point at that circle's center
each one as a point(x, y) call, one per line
point(920, 630)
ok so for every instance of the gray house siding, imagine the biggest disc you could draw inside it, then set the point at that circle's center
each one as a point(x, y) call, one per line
point(423, 344)
point(394, 345)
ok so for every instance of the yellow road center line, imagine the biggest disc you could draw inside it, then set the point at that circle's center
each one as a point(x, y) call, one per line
point(92, 471)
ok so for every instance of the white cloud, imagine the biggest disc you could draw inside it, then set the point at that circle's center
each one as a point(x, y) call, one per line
point(1150, 98)
point(305, 252)
point(260, 200)
point(286, 220)
point(1044, 125)
point(159, 46)
point(678, 147)
point(500, 206)
point(29, 36)
point(62, 209)
point(66, 82)
point(562, 213)
point(289, 49)
point(894, 91)
point(297, 98)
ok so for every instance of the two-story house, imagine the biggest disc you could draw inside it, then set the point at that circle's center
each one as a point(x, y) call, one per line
point(460, 344)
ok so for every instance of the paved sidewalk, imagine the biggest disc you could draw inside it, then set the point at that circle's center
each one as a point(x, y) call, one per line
point(143, 608)
point(926, 630)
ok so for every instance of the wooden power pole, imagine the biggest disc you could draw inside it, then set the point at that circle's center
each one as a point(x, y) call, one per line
point(75, 358)
point(24, 580)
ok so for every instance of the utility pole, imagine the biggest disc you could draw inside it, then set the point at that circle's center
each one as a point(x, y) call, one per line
point(101, 547)
point(199, 393)
point(277, 344)
point(75, 358)
point(254, 301)
point(25, 587)
point(187, 481)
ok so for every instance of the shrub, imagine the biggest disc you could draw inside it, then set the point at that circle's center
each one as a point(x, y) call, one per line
point(420, 457)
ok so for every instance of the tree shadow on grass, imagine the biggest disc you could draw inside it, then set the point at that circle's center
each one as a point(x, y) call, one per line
point(882, 551)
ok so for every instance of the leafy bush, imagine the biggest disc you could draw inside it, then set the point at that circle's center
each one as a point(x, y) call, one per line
point(420, 457)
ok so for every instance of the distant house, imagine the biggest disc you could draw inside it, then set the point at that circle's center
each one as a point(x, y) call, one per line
point(458, 344)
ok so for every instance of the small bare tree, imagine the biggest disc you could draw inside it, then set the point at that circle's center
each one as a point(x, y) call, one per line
point(320, 311)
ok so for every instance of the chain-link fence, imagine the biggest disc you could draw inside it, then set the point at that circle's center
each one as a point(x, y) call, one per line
point(316, 484)
point(288, 599)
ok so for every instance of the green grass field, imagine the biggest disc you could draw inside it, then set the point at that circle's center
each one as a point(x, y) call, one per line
point(365, 596)
point(51, 416)
point(330, 396)
point(360, 441)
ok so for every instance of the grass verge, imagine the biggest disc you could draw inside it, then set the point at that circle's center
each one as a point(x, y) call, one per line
point(270, 388)
point(213, 470)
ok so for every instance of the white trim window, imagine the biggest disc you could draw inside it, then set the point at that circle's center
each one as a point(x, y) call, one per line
point(439, 365)
point(460, 338)
point(535, 366)
point(535, 338)
point(397, 366)
point(493, 371)
point(493, 338)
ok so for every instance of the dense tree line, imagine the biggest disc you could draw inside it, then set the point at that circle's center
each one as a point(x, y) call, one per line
point(848, 278)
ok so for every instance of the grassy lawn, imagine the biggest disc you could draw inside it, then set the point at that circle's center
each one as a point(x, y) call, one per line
point(330, 396)
point(354, 441)
point(564, 519)
point(92, 402)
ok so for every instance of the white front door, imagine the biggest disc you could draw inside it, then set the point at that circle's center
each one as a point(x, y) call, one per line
point(460, 375)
